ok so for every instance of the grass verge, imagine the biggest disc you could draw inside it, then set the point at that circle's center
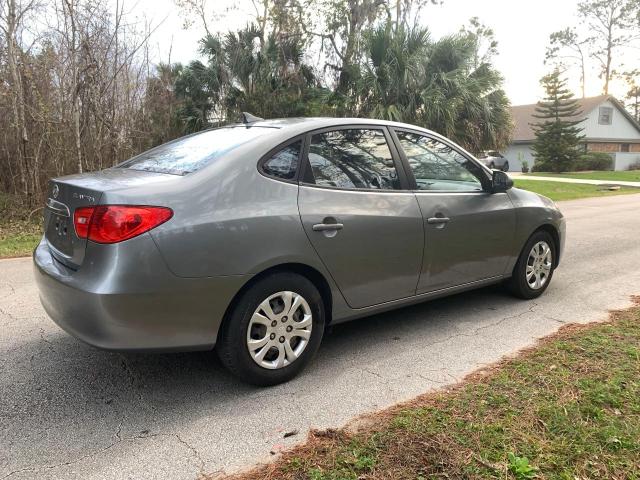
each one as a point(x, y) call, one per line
point(627, 176)
point(570, 191)
point(19, 238)
point(20, 227)
point(568, 408)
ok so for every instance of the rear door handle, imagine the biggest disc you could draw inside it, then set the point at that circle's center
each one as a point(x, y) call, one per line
point(437, 220)
point(323, 227)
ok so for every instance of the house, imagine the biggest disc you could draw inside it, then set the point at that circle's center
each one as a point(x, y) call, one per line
point(607, 127)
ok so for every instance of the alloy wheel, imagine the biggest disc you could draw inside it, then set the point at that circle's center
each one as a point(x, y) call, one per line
point(539, 264)
point(279, 330)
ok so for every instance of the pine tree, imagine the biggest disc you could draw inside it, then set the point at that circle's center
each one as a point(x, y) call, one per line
point(557, 133)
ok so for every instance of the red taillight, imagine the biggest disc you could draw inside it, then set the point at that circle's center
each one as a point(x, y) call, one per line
point(115, 223)
point(82, 219)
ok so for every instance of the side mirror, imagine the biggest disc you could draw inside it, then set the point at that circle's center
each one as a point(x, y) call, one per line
point(500, 182)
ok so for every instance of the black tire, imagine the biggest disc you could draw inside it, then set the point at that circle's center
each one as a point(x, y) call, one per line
point(518, 284)
point(505, 167)
point(232, 342)
point(492, 166)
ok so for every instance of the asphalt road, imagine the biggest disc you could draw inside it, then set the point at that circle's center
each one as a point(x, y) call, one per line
point(69, 411)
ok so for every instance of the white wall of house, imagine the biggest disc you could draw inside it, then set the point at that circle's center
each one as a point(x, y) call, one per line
point(623, 160)
point(516, 153)
point(621, 128)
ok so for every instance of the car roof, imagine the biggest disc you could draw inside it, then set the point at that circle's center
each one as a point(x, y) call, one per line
point(303, 124)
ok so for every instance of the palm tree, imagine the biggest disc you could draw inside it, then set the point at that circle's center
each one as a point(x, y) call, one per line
point(390, 78)
point(462, 101)
point(407, 77)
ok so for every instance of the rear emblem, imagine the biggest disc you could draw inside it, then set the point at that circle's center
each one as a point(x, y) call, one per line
point(55, 191)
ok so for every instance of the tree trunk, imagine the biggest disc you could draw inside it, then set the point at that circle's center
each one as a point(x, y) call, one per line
point(607, 73)
point(17, 100)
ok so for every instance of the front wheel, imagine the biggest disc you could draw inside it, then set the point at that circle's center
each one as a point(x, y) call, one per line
point(534, 268)
point(274, 330)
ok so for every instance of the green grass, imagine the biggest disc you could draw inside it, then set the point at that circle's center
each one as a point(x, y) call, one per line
point(570, 191)
point(18, 238)
point(567, 409)
point(20, 227)
point(627, 176)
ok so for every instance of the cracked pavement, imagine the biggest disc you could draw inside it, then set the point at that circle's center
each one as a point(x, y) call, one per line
point(69, 411)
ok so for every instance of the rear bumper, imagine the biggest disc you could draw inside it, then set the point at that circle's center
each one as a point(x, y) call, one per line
point(146, 309)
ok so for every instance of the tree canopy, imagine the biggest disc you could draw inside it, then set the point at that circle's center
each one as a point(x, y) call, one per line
point(400, 74)
point(80, 92)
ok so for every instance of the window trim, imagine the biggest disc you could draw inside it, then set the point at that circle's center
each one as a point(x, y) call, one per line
point(397, 161)
point(281, 146)
point(485, 182)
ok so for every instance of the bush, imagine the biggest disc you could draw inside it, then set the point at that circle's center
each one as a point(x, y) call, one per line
point(525, 166)
point(593, 161)
point(541, 166)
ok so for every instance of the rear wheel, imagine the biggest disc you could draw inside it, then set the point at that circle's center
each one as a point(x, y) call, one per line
point(534, 269)
point(274, 330)
point(505, 167)
point(492, 165)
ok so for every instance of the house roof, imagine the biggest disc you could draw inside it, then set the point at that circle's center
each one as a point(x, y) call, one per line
point(523, 115)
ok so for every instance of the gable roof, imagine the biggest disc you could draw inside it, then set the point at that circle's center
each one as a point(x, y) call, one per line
point(523, 115)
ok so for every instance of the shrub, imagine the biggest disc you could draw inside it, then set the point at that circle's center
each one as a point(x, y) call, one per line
point(525, 166)
point(541, 166)
point(593, 161)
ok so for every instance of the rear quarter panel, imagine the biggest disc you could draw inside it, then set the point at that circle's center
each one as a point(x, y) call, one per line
point(228, 218)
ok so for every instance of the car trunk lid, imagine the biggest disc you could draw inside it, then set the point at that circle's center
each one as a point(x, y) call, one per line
point(66, 194)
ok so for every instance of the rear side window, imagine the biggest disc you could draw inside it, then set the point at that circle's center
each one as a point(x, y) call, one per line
point(188, 154)
point(353, 159)
point(284, 163)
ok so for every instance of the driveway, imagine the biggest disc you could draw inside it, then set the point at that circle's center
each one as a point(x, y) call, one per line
point(69, 411)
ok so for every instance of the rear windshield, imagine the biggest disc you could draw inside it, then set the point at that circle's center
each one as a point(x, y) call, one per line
point(188, 154)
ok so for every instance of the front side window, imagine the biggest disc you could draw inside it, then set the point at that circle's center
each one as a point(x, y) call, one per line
point(284, 164)
point(437, 166)
point(353, 159)
point(605, 115)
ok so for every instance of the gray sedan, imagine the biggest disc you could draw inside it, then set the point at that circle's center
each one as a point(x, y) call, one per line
point(255, 237)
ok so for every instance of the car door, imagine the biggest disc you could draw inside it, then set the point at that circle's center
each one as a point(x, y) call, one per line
point(365, 227)
point(469, 231)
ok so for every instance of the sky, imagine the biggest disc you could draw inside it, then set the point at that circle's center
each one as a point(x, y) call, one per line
point(521, 27)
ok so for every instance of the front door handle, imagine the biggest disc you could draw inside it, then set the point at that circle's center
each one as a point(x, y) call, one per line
point(437, 220)
point(323, 227)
